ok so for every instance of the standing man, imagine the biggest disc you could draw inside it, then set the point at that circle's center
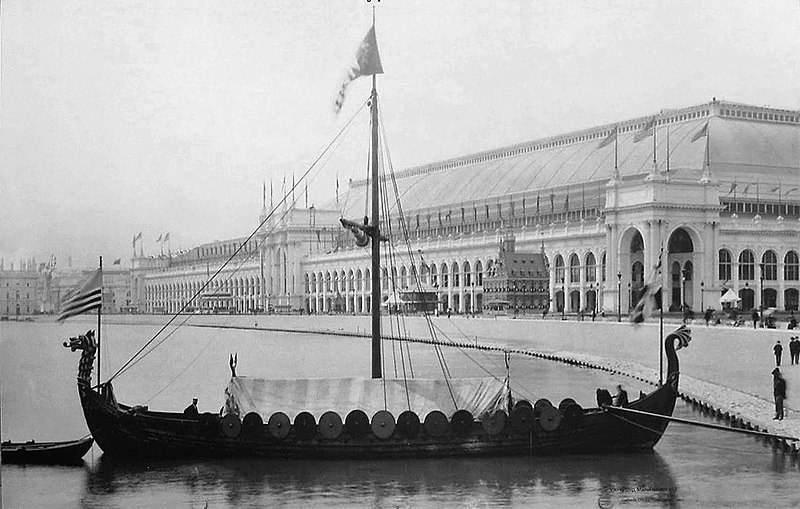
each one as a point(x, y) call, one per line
point(755, 318)
point(779, 391)
point(191, 411)
point(778, 349)
point(794, 349)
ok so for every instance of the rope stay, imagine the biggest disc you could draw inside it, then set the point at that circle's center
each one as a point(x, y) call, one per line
point(139, 353)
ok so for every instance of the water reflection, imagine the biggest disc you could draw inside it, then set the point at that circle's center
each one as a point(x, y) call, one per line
point(452, 482)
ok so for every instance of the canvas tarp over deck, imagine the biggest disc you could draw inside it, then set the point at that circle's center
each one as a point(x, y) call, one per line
point(342, 395)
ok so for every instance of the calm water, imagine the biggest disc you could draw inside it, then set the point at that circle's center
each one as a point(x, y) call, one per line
point(691, 467)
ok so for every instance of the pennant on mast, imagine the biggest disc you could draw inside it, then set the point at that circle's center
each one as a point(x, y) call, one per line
point(368, 63)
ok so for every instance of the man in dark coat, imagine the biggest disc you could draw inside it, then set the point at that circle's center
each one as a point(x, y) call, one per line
point(622, 396)
point(778, 349)
point(191, 410)
point(755, 318)
point(779, 391)
point(794, 350)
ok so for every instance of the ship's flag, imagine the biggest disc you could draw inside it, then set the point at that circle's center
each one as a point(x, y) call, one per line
point(646, 131)
point(683, 334)
point(84, 298)
point(651, 294)
point(608, 140)
point(702, 133)
point(368, 62)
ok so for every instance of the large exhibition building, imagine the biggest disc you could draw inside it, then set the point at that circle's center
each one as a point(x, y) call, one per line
point(709, 194)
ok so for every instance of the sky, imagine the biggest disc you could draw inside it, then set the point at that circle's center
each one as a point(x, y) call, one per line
point(169, 116)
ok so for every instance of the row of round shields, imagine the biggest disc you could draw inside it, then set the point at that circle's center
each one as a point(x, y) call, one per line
point(383, 425)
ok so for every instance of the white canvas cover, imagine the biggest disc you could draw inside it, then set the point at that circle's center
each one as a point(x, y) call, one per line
point(342, 395)
point(729, 297)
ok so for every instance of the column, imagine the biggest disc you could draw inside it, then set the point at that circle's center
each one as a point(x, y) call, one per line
point(552, 283)
point(582, 283)
point(781, 302)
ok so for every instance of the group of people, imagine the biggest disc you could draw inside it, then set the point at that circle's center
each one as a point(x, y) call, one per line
point(604, 397)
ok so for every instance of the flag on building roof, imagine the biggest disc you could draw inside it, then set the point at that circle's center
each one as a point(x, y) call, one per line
point(702, 133)
point(159, 238)
point(117, 261)
point(84, 298)
point(608, 140)
point(683, 334)
point(137, 236)
point(368, 62)
point(166, 237)
point(651, 294)
point(646, 131)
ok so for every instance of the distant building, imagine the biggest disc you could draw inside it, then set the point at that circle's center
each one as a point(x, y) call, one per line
point(516, 282)
point(18, 292)
point(605, 204)
point(117, 290)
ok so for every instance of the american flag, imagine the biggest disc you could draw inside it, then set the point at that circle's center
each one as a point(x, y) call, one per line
point(87, 297)
point(683, 334)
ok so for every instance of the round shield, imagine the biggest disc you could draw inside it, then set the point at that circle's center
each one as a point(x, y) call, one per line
point(522, 419)
point(357, 423)
point(572, 414)
point(541, 403)
point(305, 425)
point(252, 425)
point(330, 425)
point(461, 423)
point(494, 423)
point(383, 424)
point(278, 425)
point(436, 424)
point(565, 403)
point(231, 425)
point(523, 402)
point(549, 418)
point(408, 424)
point(209, 424)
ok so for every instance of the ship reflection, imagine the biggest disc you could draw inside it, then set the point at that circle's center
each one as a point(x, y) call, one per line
point(643, 478)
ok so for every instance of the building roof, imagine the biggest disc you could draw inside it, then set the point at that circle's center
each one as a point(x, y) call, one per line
point(746, 143)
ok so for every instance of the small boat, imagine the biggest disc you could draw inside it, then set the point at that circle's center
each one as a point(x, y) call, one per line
point(380, 417)
point(46, 453)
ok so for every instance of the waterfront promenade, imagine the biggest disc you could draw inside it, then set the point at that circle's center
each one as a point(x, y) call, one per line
point(727, 367)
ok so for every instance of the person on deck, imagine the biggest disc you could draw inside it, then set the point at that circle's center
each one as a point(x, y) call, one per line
point(622, 396)
point(604, 398)
point(191, 410)
point(779, 391)
point(778, 350)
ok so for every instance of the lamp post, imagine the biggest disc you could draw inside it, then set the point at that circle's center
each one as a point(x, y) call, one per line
point(563, 299)
point(619, 296)
point(702, 301)
point(683, 295)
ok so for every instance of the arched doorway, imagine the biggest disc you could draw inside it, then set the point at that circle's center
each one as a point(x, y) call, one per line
point(680, 253)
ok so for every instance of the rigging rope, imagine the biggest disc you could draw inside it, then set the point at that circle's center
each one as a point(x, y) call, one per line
point(130, 362)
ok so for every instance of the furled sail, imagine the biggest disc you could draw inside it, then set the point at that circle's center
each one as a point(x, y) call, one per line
point(342, 395)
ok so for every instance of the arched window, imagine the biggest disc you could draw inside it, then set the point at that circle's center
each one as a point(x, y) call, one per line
point(725, 265)
point(445, 276)
point(747, 264)
point(603, 268)
point(770, 266)
point(791, 269)
point(574, 268)
point(559, 268)
point(637, 243)
point(680, 242)
point(591, 268)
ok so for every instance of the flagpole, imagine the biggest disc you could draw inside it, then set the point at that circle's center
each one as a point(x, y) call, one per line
point(661, 338)
point(99, 314)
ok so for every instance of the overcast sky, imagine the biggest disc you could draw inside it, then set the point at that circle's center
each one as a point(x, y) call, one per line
point(166, 116)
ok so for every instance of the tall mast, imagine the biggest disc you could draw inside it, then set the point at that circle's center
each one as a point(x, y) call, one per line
point(376, 242)
point(99, 314)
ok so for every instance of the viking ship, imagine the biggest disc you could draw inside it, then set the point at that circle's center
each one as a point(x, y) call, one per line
point(380, 417)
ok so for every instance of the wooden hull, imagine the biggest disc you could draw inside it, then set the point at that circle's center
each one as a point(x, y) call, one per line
point(122, 432)
point(53, 453)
